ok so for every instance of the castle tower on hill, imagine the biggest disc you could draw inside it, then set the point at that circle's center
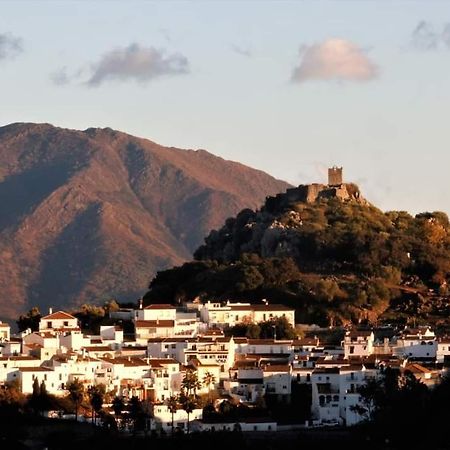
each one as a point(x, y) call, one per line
point(335, 176)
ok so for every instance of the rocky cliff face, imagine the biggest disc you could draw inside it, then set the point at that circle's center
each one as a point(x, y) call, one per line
point(273, 230)
point(90, 215)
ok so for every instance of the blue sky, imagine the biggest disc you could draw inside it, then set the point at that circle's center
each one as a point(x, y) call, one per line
point(287, 87)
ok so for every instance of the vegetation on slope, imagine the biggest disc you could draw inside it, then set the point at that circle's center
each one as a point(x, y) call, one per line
point(333, 261)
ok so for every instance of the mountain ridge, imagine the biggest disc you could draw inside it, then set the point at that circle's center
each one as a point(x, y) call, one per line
point(89, 215)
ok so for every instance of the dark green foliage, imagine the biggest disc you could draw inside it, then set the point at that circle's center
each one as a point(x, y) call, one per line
point(29, 320)
point(96, 395)
point(278, 327)
point(333, 261)
point(75, 395)
point(400, 402)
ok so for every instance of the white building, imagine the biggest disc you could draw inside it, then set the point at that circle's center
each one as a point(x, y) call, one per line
point(218, 315)
point(358, 343)
point(416, 343)
point(335, 392)
point(5, 332)
point(162, 419)
point(59, 320)
point(443, 351)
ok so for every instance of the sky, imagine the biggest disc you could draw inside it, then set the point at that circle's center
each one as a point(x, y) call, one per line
point(288, 87)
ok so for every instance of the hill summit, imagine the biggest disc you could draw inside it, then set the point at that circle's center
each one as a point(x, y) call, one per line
point(91, 215)
point(325, 251)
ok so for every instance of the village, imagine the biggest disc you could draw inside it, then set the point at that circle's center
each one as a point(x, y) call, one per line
point(171, 344)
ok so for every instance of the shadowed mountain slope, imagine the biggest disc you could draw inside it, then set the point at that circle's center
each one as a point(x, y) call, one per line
point(90, 215)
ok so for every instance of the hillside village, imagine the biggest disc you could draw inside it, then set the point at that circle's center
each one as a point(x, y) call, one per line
point(169, 345)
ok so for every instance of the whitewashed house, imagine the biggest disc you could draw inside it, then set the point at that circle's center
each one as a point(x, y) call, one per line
point(229, 314)
point(58, 321)
point(5, 332)
point(358, 343)
point(443, 351)
point(416, 343)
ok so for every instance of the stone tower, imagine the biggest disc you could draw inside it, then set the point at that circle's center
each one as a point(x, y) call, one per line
point(334, 176)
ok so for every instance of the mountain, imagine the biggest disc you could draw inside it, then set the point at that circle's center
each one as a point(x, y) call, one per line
point(327, 252)
point(90, 215)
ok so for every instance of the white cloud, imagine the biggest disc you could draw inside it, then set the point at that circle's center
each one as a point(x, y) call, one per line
point(334, 59)
point(10, 46)
point(136, 63)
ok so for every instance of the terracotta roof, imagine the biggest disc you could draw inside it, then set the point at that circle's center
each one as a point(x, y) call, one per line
point(58, 315)
point(417, 368)
point(268, 342)
point(35, 369)
point(277, 368)
point(4, 325)
point(102, 348)
point(18, 358)
point(160, 306)
point(154, 323)
point(352, 368)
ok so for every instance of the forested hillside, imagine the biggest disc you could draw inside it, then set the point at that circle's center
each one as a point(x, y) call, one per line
point(334, 260)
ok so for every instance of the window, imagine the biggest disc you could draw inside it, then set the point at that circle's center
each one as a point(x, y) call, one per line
point(352, 349)
point(66, 323)
point(308, 377)
point(49, 324)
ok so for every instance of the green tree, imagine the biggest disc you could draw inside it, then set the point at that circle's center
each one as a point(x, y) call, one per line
point(188, 402)
point(209, 380)
point(136, 412)
point(30, 320)
point(172, 406)
point(76, 394)
point(96, 395)
point(118, 405)
point(278, 327)
point(190, 382)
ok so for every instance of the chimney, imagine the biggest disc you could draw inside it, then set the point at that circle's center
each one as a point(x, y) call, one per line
point(141, 303)
point(50, 310)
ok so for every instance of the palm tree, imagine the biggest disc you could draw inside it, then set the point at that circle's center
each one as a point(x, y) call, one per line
point(189, 403)
point(172, 405)
point(209, 380)
point(135, 411)
point(118, 406)
point(96, 397)
point(76, 394)
point(190, 382)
